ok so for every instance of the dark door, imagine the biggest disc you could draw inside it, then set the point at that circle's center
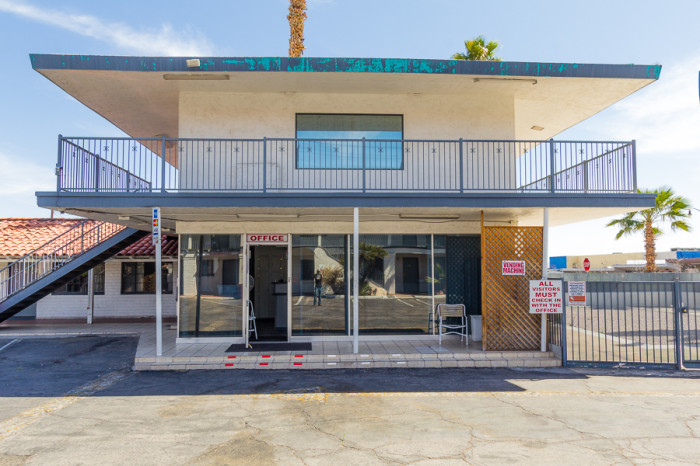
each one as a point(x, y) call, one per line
point(410, 275)
point(463, 257)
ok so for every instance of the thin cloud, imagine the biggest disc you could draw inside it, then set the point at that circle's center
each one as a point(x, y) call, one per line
point(165, 41)
point(19, 179)
point(665, 117)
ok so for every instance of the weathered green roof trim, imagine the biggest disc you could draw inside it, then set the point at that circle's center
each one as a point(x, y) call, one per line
point(344, 65)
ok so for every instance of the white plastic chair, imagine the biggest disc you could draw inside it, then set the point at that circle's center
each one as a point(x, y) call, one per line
point(446, 311)
point(251, 320)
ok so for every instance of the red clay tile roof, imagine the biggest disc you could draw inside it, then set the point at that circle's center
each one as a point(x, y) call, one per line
point(20, 236)
point(144, 247)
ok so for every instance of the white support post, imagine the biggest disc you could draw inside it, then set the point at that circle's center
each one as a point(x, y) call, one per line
point(289, 288)
point(157, 233)
point(432, 284)
point(91, 296)
point(246, 290)
point(545, 266)
point(159, 299)
point(356, 281)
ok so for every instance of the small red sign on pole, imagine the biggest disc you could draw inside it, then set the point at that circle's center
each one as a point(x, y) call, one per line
point(586, 264)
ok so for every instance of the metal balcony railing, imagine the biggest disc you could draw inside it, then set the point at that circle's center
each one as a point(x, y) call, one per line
point(267, 165)
point(54, 254)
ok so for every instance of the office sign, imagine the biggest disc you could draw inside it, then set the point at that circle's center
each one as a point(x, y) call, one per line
point(576, 293)
point(267, 239)
point(545, 297)
point(512, 267)
point(155, 227)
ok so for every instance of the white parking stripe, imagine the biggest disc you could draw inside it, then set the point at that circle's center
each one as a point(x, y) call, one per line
point(13, 341)
point(26, 418)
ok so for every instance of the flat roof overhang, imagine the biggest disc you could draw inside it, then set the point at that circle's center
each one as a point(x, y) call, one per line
point(140, 95)
point(525, 209)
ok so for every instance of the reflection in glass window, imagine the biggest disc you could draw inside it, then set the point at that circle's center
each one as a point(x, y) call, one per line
point(210, 285)
point(337, 141)
point(395, 287)
point(319, 288)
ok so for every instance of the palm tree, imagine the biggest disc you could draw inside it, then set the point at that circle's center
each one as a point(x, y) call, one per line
point(478, 49)
point(296, 18)
point(668, 208)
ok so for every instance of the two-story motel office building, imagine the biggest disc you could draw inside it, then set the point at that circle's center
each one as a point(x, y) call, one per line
point(258, 164)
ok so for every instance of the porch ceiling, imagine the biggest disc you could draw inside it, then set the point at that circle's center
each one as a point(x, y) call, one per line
point(417, 219)
point(138, 99)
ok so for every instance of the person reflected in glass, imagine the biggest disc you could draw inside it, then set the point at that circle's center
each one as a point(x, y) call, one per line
point(318, 286)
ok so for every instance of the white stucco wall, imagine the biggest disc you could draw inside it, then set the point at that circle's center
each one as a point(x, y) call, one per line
point(225, 165)
point(112, 303)
point(258, 115)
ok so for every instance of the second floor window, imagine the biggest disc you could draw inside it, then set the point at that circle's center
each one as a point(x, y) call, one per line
point(336, 141)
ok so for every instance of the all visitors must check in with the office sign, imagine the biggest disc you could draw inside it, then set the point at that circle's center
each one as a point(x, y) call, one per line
point(267, 239)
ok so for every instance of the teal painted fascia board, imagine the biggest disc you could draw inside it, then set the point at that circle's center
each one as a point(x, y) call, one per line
point(345, 65)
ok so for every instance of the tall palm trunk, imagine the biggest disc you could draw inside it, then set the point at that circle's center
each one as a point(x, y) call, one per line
point(296, 18)
point(650, 246)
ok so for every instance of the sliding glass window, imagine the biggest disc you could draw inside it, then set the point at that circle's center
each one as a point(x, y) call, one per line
point(333, 141)
point(210, 285)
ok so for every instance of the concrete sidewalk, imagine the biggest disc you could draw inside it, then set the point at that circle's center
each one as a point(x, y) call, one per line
point(373, 353)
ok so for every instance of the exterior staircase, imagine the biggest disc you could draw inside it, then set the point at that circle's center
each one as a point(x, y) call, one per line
point(55, 263)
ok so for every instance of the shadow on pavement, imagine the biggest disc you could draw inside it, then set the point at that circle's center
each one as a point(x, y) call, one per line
point(50, 367)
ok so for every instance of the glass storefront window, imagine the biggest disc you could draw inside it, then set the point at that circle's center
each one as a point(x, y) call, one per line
point(396, 282)
point(319, 288)
point(395, 288)
point(210, 285)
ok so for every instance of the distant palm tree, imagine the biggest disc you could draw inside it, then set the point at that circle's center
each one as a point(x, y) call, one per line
point(668, 208)
point(296, 18)
point(478, 49)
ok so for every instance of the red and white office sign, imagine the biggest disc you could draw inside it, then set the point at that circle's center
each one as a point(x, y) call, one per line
point(267, 239)
point(576, 293)
point(512, 267)
point(545, 297)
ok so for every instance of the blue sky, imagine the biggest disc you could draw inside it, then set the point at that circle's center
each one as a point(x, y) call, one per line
point(664, 118)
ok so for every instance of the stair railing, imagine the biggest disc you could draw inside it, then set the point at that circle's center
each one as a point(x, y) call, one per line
point(54, 254)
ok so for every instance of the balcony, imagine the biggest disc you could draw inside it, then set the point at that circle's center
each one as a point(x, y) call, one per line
point(165, 166)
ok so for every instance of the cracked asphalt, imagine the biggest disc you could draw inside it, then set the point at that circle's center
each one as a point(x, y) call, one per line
point(76, 401)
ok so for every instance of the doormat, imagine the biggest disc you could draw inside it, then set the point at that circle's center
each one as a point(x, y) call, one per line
point(268, 347)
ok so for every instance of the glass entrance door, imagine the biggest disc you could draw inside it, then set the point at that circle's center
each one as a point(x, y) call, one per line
point(269, 292)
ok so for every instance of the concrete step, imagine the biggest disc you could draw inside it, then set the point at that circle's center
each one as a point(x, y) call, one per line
point(319, 361)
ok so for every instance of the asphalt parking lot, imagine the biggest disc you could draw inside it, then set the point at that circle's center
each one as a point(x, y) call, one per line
point(76, 401)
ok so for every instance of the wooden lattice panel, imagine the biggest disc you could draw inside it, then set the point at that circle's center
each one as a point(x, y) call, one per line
point(507, 323)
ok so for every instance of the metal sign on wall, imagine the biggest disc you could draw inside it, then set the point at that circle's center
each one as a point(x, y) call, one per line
point(576, 293)
point(546, 297)
point(267, 239)
point(155, 230)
